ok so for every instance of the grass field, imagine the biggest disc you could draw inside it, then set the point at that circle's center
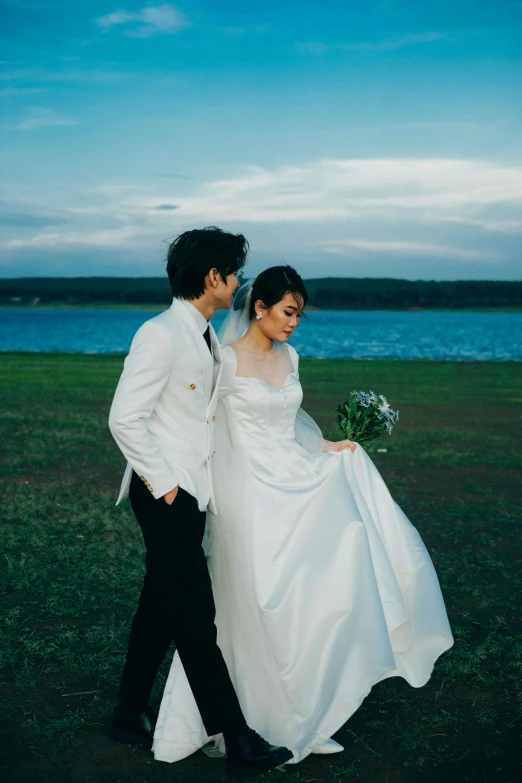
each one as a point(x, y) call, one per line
point(71, 565)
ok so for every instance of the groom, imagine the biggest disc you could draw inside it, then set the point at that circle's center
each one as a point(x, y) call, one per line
point(162, 419)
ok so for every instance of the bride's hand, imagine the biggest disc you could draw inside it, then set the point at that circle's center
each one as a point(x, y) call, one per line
point(339, 445)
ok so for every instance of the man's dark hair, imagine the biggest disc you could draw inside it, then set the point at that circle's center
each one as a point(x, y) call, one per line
point(193, 254)
point(274, 284)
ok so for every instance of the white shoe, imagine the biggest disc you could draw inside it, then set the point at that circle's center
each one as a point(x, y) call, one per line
point(328, 746)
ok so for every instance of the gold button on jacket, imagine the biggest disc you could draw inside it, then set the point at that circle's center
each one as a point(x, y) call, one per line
point(192, 386)
point(147, 483)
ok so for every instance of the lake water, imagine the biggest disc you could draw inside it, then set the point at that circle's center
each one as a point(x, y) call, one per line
point(324, 334)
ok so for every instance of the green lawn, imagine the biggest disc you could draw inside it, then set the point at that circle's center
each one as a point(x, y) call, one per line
point(71, 565)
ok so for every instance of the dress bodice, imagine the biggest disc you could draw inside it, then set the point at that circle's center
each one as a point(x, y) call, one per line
point(257, 412)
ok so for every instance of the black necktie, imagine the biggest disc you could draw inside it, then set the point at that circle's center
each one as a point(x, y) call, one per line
point(206, 335)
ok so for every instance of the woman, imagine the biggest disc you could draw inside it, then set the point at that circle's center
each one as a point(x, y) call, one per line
point(322, 586)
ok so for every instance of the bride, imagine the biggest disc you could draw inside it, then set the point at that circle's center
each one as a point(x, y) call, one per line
point(322, 586)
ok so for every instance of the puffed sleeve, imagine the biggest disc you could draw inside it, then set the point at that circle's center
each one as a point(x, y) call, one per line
point(294, 358)
point(228, 371)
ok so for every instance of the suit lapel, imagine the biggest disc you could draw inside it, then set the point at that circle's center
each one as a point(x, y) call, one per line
point(216, 350)
point(200, 346)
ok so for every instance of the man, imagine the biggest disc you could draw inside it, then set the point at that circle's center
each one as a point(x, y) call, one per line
point(162, 419)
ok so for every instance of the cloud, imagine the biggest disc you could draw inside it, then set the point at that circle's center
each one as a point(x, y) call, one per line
point(256, 29)
point(343, 247)
point(14, 91)
point(17, 73)
point(150, 20)
point(170, 176)
point(29, 219)
point(493, 225)
point(113, 238)
point(373, 208)
point(331, 190)
point(394, 43)
point(44, 118)
point(93, 76)
point(315, 48)
point(318, 48)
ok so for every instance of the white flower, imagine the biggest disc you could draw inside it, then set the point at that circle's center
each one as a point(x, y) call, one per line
point(362, 398)
point(380, 417)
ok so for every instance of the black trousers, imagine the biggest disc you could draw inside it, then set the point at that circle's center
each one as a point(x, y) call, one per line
point(176, 603)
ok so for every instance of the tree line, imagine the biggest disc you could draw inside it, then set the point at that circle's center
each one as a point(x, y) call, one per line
point(326, 293)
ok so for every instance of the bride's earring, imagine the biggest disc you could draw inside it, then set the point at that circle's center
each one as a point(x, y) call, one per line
point(259, 316)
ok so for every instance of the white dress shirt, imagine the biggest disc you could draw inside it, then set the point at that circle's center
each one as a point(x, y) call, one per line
point(202, 324)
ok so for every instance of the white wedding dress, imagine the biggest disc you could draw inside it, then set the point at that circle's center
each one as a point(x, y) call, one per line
point(322, 586)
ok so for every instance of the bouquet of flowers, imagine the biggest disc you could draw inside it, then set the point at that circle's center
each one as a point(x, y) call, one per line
point(365, 416)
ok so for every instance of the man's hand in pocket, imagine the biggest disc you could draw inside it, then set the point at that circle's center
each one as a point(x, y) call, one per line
point(170, 497)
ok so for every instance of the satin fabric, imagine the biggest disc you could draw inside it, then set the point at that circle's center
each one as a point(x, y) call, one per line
point(322, 585)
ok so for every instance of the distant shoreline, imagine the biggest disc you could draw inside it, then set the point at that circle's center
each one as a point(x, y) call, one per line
point(328, 294)
point(310, 308)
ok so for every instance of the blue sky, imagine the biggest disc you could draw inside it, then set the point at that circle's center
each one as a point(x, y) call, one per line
point(374, 138)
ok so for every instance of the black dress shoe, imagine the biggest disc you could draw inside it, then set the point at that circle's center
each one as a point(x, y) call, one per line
point(249, 753)
point(133, 728)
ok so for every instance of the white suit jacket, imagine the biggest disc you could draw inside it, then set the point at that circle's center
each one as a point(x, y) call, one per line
point(163, 412)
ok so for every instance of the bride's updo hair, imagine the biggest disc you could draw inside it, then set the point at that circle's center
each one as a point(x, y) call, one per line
point(274, 284)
